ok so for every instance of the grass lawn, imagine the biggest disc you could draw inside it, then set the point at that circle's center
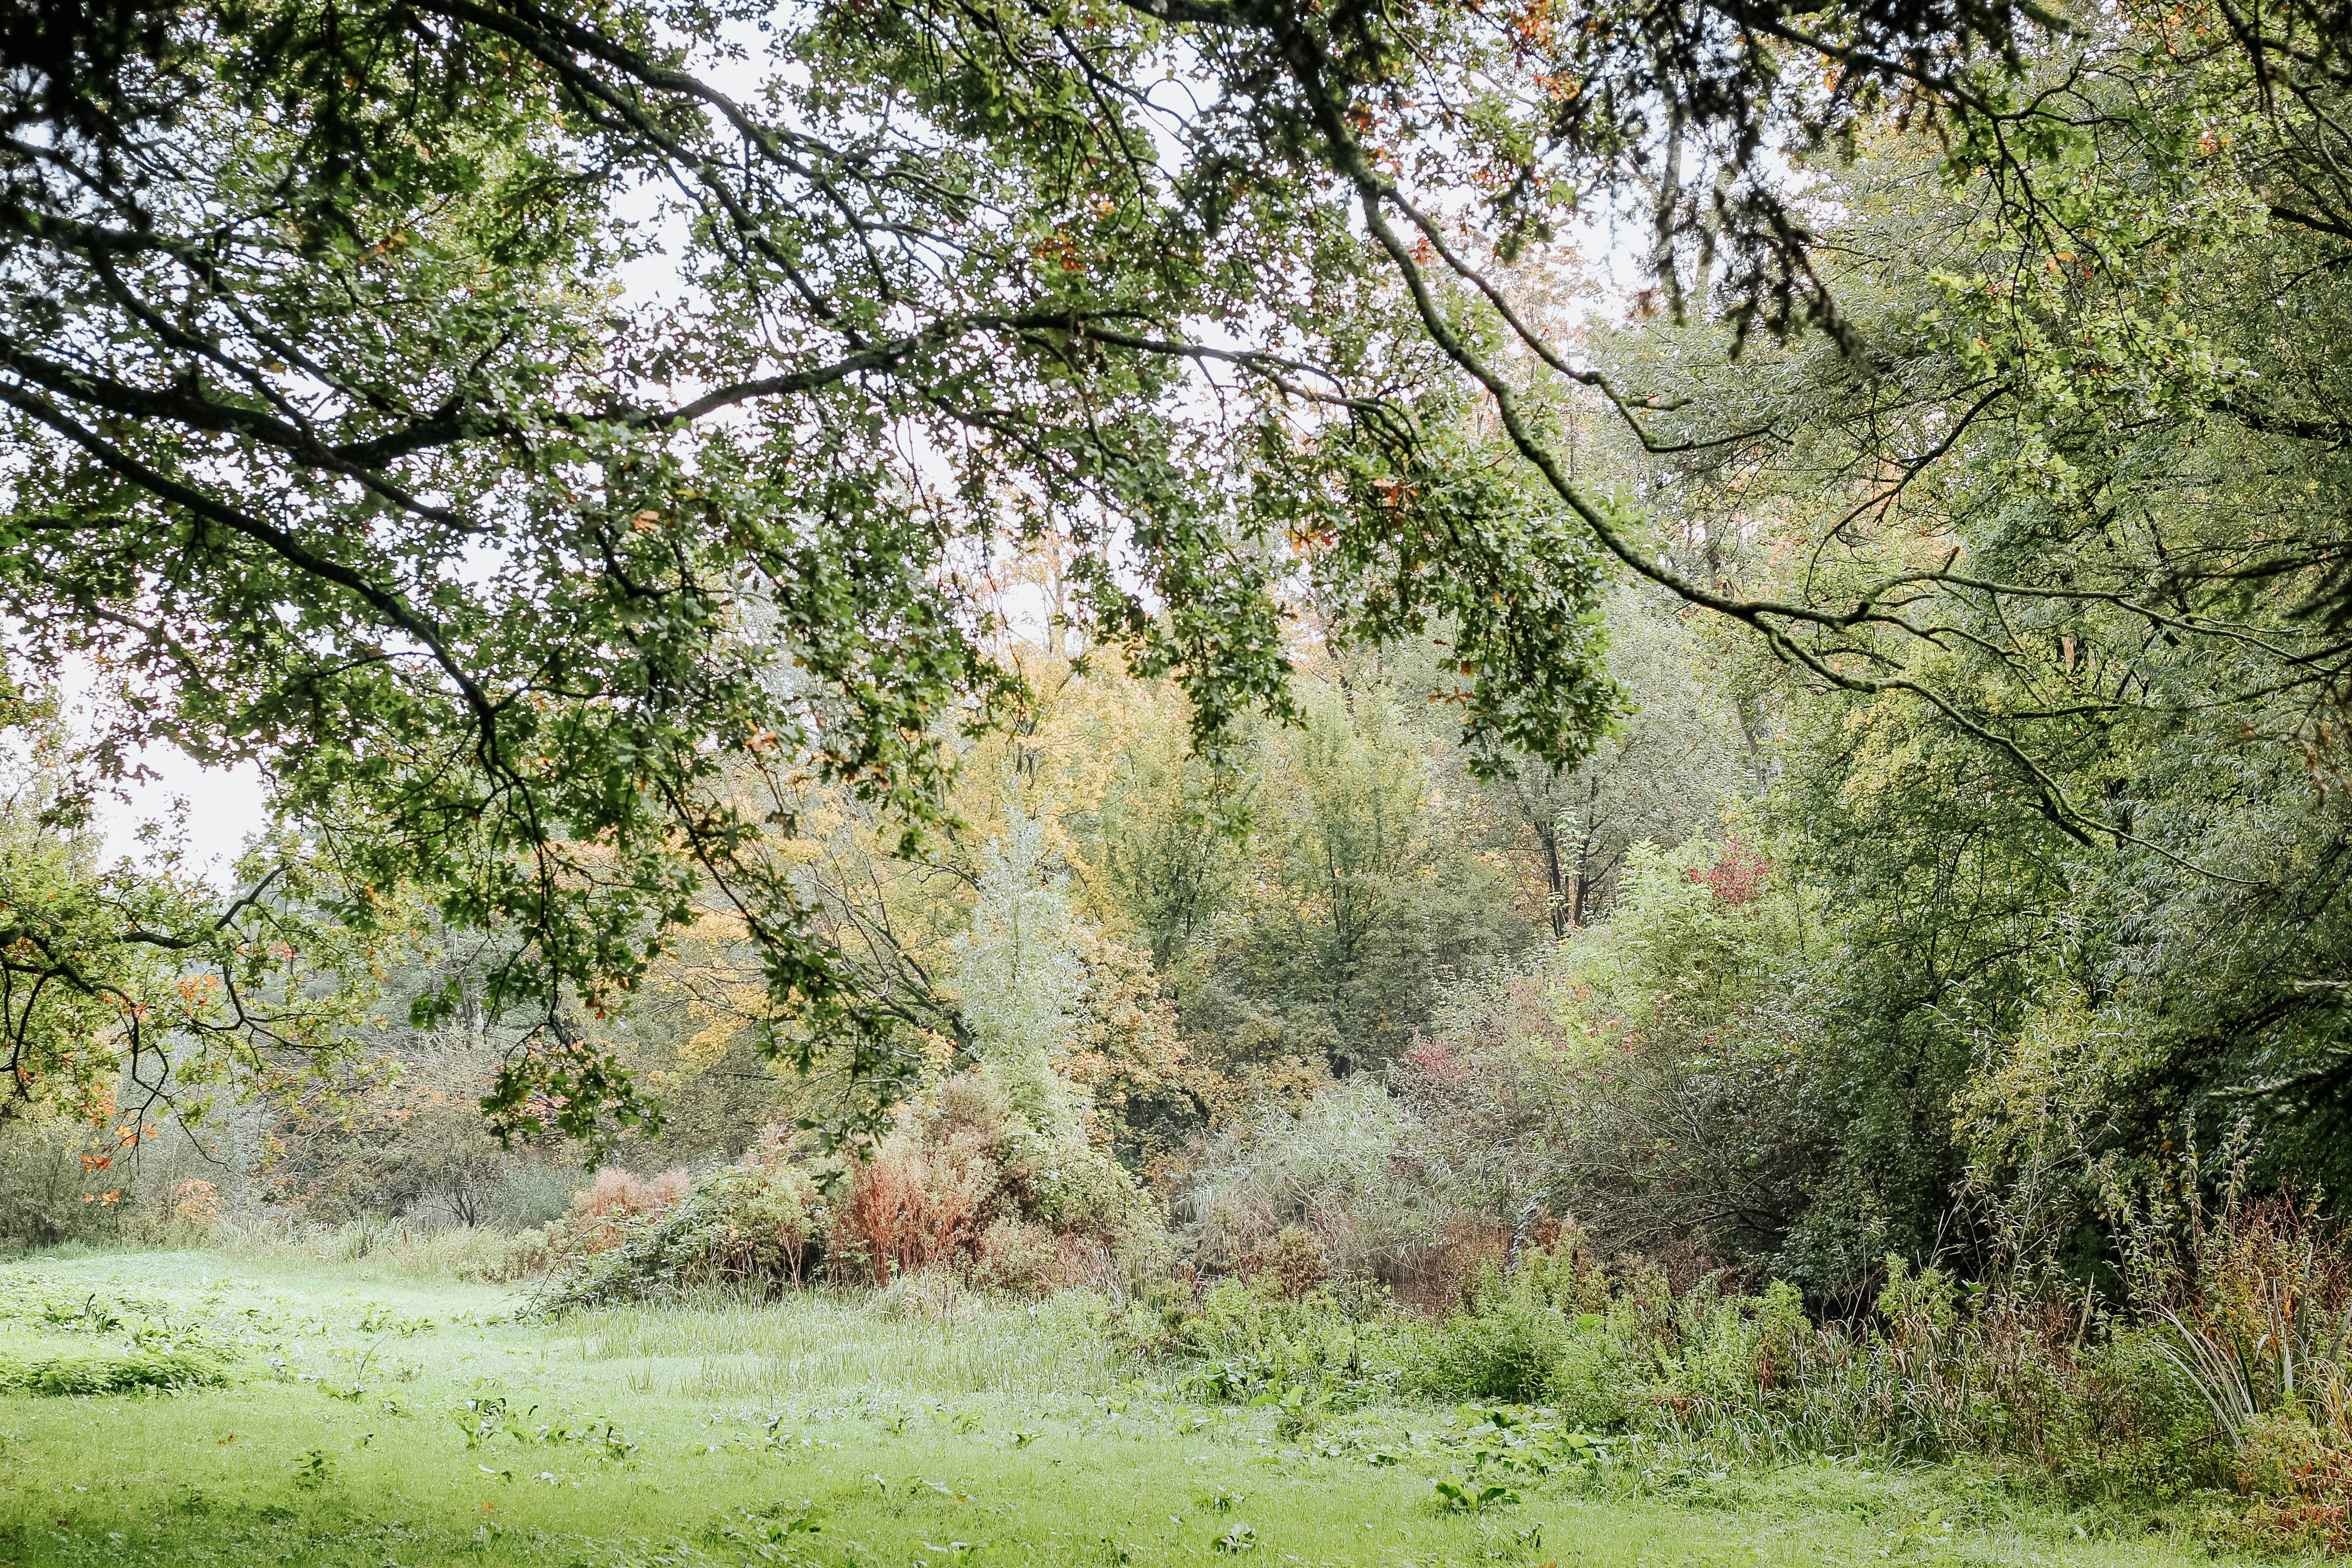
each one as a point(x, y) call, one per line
point(376, 1421)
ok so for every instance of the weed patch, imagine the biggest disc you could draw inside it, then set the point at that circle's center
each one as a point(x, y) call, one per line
point(88, 1372)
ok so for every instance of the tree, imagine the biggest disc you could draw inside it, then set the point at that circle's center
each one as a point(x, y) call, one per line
point(1361, 899)
point(1665, 773)
point(552, 603)
point(1659, 1077)
point(2094, 893)
point(128, 993)
point(1019, 973)
point(327, 444)
point(1170, 836)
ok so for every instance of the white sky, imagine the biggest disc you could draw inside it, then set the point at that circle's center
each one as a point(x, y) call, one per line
point(224, 805)
point(221, 806)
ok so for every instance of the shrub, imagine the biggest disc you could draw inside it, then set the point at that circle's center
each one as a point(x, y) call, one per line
point(1739, 1349)
point(1017, 1256)
point(1293, 1263)
point(2087, 1398)
point(415, 1147)
point(515, 1256)
point(1330, 1172)
point(1029, 1260)
point(741, 1224)
point(961, 1184)
point(1655, 1074)
point(603, 1210)
point(2250, 1309)
point(1243, 1340)
point(968, 1183)
point(57, 1184)
point(109, 1372)
point(1509, 1341)
point(2277, 1451)
point(530, 1192)
point(911, 1204)
point(196, 1205)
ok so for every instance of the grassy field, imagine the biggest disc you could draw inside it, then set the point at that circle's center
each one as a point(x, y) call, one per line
point(382, 1422)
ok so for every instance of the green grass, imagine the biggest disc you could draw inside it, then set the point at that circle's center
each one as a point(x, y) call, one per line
point(721, 1433)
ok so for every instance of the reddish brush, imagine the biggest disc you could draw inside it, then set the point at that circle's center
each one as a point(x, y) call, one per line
point(617, 1194)
point(1737, 875)
point(909, 1206)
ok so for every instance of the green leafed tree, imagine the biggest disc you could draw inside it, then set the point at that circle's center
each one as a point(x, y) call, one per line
point(335, 440)
point(129, 992)
point(1665, 773)
point(344, 431)
point(2084, 852)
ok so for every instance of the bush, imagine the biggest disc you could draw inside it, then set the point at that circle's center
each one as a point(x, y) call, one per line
point(1028, 1259)
point(967, 1182)
point(960, 1185)
point(514, 1256)
point(1329, 1174)
point(108, 1372)
point(530, 1192)
point(741, 1224)
point(414, 1148)
point(1509, 1341)
point(1242, 1341)
point(913, 1203)
point(603, 1211)
point(1517, 1356)
point(58, 1186)
point(2093, 1401)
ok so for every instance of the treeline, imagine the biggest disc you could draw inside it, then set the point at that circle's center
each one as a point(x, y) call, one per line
point(1926, 909)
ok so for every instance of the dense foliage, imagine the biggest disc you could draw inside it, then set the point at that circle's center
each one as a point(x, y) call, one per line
point(1077, 648)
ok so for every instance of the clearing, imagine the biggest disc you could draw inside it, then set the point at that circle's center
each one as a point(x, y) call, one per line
point(383, 1422)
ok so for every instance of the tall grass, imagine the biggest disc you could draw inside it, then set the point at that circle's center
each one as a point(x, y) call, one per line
point(921, 1423)
point(923, 1335)
point(392, 1247)
point(2228, 1366)
point(2036, 1386)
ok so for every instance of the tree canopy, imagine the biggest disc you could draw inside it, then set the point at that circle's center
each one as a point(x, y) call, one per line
point(344, 436)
